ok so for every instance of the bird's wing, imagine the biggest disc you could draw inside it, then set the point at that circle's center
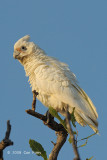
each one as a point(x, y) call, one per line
point(55, 79)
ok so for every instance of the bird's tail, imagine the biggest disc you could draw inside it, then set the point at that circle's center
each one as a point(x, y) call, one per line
point(86, 120)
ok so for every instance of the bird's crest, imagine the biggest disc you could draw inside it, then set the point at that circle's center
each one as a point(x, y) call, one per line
point(25, 38)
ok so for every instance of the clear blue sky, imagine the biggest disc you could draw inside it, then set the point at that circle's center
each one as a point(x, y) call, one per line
point(75, 32)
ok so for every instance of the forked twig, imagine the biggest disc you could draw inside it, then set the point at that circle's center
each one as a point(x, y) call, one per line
point(60, 130)
point(6, 141)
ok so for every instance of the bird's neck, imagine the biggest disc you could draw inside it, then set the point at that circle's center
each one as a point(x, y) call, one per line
point(30, 64)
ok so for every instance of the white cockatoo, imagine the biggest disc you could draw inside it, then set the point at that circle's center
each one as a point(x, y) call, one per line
point(56, 84)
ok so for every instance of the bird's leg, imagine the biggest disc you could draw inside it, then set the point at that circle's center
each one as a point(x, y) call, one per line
point(49, 117)
point(34, 100)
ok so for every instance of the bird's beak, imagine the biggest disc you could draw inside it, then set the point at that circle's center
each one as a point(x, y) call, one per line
point(16, 54)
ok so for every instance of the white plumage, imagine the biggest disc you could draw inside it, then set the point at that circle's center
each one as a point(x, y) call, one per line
point(56, 84)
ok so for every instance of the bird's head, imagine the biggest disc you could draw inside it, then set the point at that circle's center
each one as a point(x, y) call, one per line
point(23, 48)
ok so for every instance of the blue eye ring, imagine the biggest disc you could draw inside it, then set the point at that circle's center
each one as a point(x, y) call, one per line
point(23, 48)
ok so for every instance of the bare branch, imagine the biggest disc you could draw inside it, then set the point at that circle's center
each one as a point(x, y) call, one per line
point(61, 139)
point(6, 141)
point(34, 100)
point(8, 130)
point(61, 133)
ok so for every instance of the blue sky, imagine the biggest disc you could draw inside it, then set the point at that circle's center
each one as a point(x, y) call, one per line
point(75, 32)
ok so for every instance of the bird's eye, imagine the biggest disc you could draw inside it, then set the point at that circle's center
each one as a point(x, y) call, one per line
point(23, 48)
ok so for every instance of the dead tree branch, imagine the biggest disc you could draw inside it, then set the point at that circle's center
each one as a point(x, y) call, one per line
point(6, 141)
point(61, 139)
point(60, 130)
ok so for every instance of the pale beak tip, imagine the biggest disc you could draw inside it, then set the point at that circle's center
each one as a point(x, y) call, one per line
point(14, 56)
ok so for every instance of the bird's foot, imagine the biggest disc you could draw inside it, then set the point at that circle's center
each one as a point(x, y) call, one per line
point(49, 117)
point(36, 93)
point(34, 100)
